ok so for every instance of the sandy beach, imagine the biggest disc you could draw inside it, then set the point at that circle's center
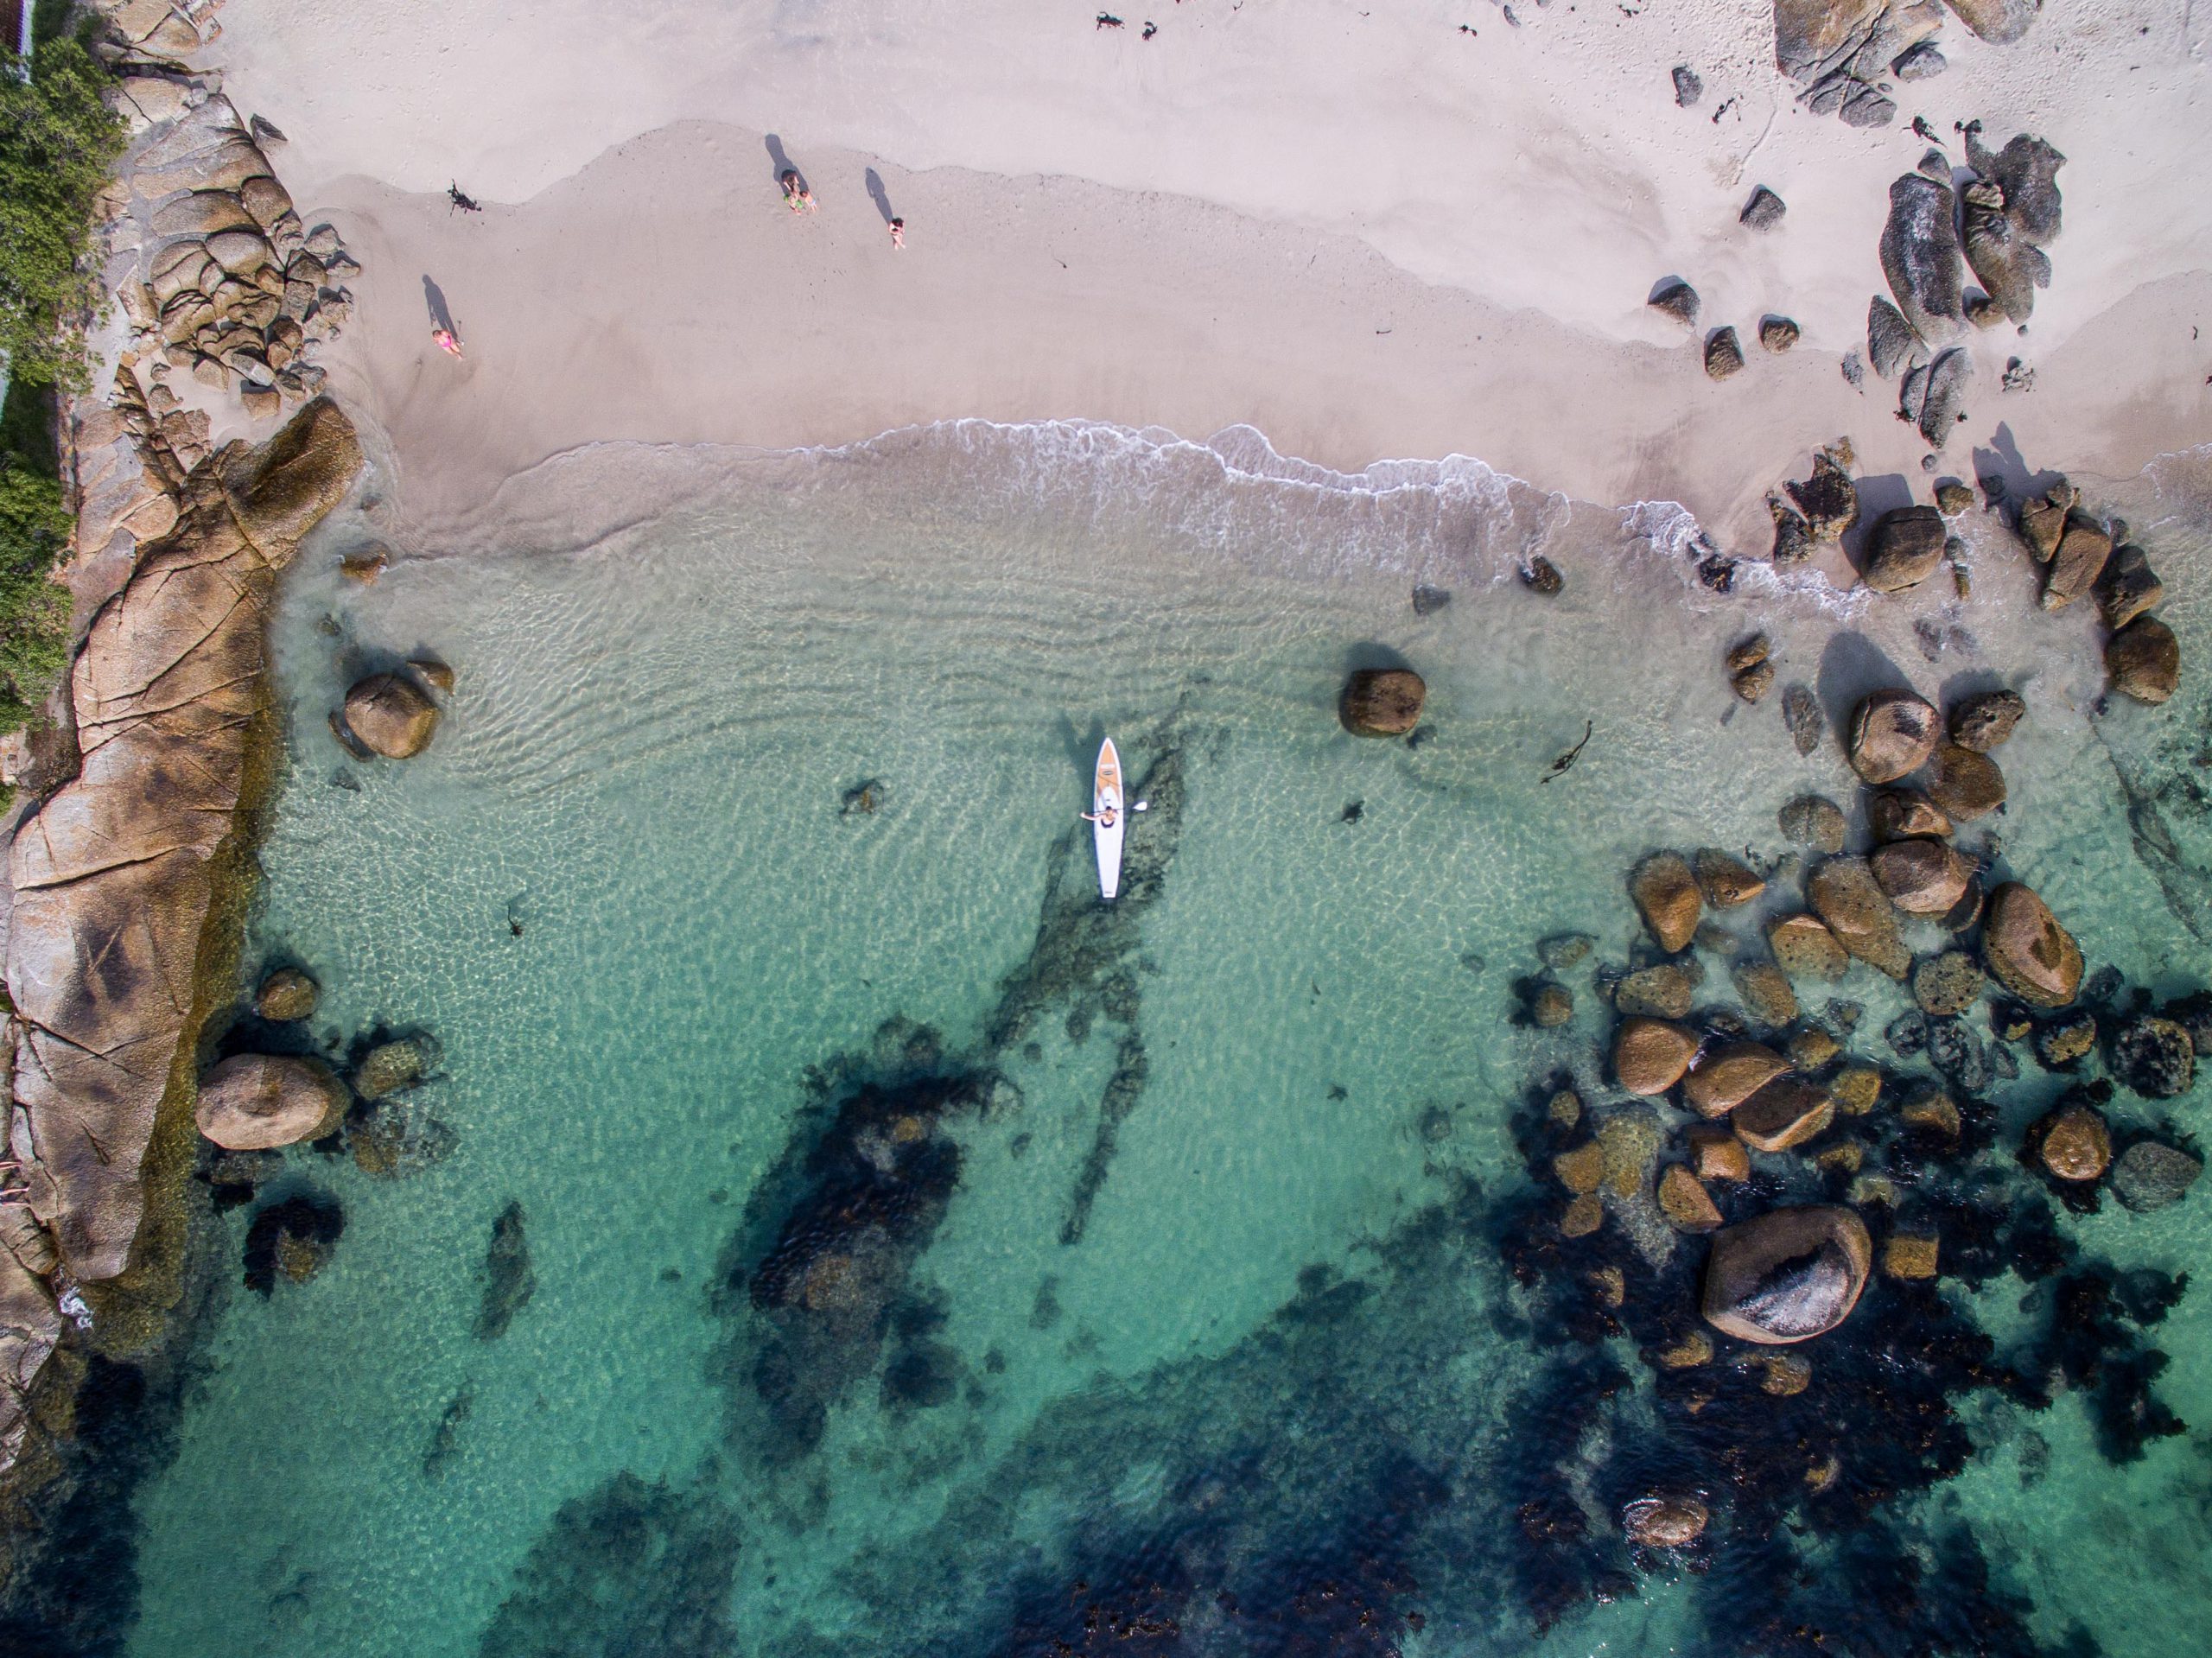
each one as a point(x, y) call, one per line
point(1368, 236)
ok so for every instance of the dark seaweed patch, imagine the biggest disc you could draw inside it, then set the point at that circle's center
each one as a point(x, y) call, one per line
point(509, 1278)
point(630, 1571)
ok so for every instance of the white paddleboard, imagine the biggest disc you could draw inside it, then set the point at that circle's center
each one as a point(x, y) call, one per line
point(1106, 795)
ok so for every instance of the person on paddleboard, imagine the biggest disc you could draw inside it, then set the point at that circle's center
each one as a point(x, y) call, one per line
point(1103, 819)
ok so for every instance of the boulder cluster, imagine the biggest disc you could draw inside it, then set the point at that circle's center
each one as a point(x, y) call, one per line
point(1723, 352)
point(2084, 556)
point(1997, 225)
point(1848, 54)
point(1756, 1124)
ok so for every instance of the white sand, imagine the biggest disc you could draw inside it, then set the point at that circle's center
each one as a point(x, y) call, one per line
point(1368, 235)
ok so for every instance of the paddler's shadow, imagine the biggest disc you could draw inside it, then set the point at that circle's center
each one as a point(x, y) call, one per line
point(1082, 749)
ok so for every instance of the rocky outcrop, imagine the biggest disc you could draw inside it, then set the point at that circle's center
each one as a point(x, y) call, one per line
point(117, 873)
point(1378, 701)
point(1999, 22)
point(1787, 1276)
point(257, 1102)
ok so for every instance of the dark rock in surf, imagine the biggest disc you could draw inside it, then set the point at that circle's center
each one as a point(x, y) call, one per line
point(1906, 549)
point(1664, 1522)
point(1829, 499)
point(1540, 575)
point(1892, 733)
point(2129, 587)
point(1428, 601)
point(509, 1280)
point(1382, 701)
point(1787, 1276)
point(1801, 713)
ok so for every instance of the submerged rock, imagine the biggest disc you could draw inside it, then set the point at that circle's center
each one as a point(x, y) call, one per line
point(1801, 714)
point(1724, 880)
point(253, 1102)
point(2155, 1058)
point(2149, 1175)
point(1949, 984)
point(1766, 992)
point(1814, 821)
point(1660, 992)
point(390, 1066)
point(1382, 701)
point(286, 995)
point(509, 1280)
point(1921, 877)
point(1787, 1276)
point(293, 1239)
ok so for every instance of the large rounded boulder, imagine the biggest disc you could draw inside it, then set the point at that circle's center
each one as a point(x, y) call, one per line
point(1382, 701)
point(1907, 547)
point(1787, 1276)
point(1666, 894)
point(2027, 950)
point(1892, 733)
point(391, 715)
point(256, 1101)
point(2144, 659)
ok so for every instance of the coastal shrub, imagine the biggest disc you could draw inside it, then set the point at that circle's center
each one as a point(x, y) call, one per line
point(34, 607)
point(57, 142)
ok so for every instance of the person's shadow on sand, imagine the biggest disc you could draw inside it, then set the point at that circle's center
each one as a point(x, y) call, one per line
point(440, 317)
point(875, 194)
point(779, 164)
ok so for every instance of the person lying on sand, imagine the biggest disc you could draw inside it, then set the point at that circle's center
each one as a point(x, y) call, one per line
point(443, 339)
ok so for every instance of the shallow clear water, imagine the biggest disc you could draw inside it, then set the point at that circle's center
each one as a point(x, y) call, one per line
point(1252, 1335)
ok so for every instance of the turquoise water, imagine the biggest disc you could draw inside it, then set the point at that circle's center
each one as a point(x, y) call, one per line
point(1202, 1336)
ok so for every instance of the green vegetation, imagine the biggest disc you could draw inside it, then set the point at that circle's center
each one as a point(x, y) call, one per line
point(34, 607)
point(58, 141)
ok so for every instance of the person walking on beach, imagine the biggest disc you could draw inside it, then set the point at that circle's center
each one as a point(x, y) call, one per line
point(898, 234)
point(797, 196)
point(443, 339)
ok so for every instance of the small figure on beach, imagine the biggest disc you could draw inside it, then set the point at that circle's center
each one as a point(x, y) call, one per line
point(898, 232)
point(797, 196)
point(1108, 20)
point(466, 203)
point(443, 339)
point(1151, 28)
